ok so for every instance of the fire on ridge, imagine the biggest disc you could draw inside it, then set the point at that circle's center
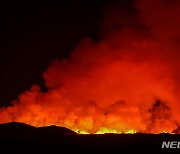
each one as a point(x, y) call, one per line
point(127, 82)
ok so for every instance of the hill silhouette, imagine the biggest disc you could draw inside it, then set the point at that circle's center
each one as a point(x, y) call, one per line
point(15, 137)
point(19, 131)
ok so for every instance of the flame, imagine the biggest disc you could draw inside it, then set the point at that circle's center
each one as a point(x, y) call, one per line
point(81, 132)
point(127, 82)
point(106, 130)
point(131, 131)
point(112, 131)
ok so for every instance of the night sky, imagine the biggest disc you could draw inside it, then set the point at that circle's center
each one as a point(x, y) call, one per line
point(91, 64)
point(34, 33)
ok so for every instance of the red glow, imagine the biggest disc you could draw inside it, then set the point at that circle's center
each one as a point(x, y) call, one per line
point(128, 82)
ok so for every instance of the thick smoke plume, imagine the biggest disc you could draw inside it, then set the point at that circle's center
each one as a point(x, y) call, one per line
point(128, 80)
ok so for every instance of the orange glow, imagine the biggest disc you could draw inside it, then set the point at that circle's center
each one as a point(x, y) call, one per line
point(126, 83)
point(131, 131)
point(106, 130)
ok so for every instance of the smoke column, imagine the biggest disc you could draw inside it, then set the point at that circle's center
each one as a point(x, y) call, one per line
point(129, 80)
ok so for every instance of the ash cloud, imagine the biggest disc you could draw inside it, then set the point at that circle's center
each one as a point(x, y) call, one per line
point(136, 61)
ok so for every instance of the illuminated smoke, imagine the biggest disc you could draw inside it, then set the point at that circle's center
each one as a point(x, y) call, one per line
point(127, 81)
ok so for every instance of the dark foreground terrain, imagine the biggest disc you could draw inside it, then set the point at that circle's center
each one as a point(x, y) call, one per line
point(22, 138)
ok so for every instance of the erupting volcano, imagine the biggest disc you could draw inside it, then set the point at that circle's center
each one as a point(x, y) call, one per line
point(126, 82)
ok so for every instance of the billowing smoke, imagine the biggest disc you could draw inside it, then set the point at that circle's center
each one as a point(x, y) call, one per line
point(128, 80)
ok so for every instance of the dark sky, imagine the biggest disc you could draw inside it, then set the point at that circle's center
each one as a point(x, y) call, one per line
point(34, 34)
